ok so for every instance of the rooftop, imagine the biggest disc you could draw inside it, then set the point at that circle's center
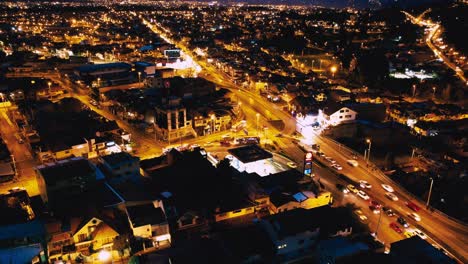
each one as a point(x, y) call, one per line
point(146, 214)
point(95, 67)
point(118, 158)
point(65, 169)
point(250, 153)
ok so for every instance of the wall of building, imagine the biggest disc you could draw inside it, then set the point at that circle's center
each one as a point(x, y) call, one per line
point(234, 213)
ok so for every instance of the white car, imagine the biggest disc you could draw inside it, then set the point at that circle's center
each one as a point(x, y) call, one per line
point(363, 195)
point(419, 233)
point(387, 187)
point(415, 216)
point(391, 196)
point(365, 184)
point(337, 166)
point(292, 165)
point(330, 159)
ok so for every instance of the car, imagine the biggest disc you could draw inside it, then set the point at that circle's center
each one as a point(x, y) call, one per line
point(402, 222)
point(391, 196)
point(363, 195)
point(375, 204)
point(292, 165)
point(93, 102)
point(320, 154)
point(395, 227)
point(413, 206)
point(209, 143)
point(419, 233)
point(374, 209)
point(353, 163)
point(361, 215)
point(388, 211)
point(352, 189)
point(342, 188)
point(388, 188)
point(330, 159)
point(408, 234)
point(225, 143)
point(337, 166)
point(415, 216)
point(365, 184)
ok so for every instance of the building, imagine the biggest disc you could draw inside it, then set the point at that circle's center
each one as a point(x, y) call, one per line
point(66, 178)
point(79, 237)
point(22, 236)
point(252, 159)
point(282, 201)
point(95, 71)
point(335, 115)
point(417, 250)
point(120, 167)
point(209, 123)
point(335, 249)
point(148, 221)
point(172, 123)
point(145, 69)
point(6, 172)
point(295, 232)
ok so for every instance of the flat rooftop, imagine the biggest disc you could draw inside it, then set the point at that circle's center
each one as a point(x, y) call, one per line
point(250, 153)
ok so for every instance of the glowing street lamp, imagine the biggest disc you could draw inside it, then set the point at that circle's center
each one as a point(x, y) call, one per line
point(368, 141)
point(49, 84)
point(104, 256)
point(212, 123)
point(333, 69)
point(139, 77)
point(258, 116)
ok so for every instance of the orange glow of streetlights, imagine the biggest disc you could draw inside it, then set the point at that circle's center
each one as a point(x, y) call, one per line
point(333, 70)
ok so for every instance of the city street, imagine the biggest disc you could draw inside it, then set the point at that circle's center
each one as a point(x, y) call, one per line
point(24, 161)
point(438, 226)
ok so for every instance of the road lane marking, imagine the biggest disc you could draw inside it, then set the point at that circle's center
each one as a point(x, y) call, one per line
point(7, 118)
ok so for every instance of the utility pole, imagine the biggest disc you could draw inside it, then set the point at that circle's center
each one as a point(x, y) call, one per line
point(430, 192)
point(378, 223)
point(14, 165)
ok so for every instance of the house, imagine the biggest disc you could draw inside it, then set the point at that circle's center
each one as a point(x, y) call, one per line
point(295, 232)
point(334, 249)
point(120, 167)
point(171, 123)
point(336, 114)
point(417, 250)
point(232, 209)
point(148, 221)
point(57, 181)
point(70, 238)
point(22, 236)
point(282, 202)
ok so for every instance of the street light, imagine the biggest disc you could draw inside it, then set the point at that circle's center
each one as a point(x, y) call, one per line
point(414, 90)
point(258, 116)
point(378, 223)
point(99, 82)
point(49, 84)
point(433, 91)
point(333, 69)
point(430, 192)
point(104, 256)
point(139, 77)
point(368, 141)
point(212, 123)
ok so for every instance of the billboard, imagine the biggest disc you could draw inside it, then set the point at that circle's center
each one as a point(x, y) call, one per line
point(172, 53)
